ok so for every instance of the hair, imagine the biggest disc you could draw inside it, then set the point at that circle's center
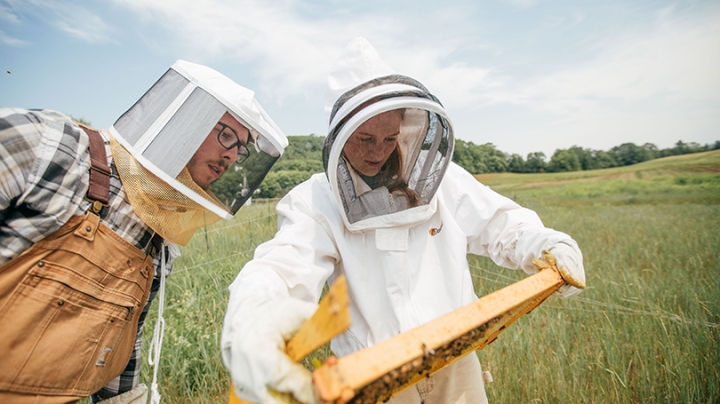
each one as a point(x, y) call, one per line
point(392, 177)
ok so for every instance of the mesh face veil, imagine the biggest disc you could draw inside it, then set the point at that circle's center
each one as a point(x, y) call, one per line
point(155, 139)
point(404, 186)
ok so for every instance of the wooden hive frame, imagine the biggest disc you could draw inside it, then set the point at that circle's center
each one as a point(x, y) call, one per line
point(374, 374)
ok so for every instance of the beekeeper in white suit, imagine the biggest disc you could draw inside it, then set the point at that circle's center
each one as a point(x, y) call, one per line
point(395, 216)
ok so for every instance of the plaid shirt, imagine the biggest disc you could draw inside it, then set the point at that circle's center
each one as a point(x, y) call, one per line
point(44, 162)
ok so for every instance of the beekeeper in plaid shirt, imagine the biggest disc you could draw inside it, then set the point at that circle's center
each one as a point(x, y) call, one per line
point(90, 222)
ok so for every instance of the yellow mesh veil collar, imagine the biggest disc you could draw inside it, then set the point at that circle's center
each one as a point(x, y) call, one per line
point(166, 210)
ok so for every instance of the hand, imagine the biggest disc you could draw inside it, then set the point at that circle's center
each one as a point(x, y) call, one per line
point(569, 261)
point(257, 360)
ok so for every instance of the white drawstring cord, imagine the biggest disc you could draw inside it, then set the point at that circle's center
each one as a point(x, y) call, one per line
point(156, 344)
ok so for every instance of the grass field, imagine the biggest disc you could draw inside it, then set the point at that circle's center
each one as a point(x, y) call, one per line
point(646, 330)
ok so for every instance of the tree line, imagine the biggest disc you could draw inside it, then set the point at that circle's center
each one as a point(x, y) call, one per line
point(303, 158)
point(485, 158)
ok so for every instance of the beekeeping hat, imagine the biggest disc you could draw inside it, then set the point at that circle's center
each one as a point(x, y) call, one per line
point(158, 135)
point(360, 86)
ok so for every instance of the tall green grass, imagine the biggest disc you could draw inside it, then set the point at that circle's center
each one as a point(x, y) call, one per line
point(647, 329)
point(196, 298)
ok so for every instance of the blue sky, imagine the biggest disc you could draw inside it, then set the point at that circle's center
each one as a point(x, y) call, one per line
point(525, 75)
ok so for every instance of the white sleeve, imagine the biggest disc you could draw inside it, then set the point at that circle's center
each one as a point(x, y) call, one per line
point(496, 226)
point(296, 262)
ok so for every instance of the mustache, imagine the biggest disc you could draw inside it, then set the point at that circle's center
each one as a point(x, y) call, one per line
point(224, 163)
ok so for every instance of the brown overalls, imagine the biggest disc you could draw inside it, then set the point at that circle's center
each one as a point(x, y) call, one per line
point(69, 311)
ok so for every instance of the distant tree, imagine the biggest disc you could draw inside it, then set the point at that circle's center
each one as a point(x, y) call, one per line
point(716, 146)
point(313, 166)
point(279, 183)
point(462, 155)
point(603, 159)
point(629, 153)
point(251, 173)
point(564, 160)
point(584, 157)
point(680, 148)
point(479, 159)
point(535, 162)
point(684, 148)
point(494, 160)
point(303, 148)
point(695, 147)
point(301, 159)
point(652, 151)
point(516, 164)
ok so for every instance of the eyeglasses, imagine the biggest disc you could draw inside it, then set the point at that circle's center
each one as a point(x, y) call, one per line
point(228, 138)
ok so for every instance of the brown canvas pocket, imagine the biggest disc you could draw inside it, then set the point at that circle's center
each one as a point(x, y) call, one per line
point(69, 333)
point(69, 326)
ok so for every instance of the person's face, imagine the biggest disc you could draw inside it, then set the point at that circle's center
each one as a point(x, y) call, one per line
point(370, 146)
point(212, 159)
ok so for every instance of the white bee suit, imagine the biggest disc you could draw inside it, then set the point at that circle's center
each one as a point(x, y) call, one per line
point(403, 268)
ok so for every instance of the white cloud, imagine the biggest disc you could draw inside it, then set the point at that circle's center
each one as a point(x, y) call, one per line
point(293, 54)
point(90, 30)
point(74, 20)
point(9, 18)
point(627, 75)
point(80, 23)
point(289, 52)
point(678, 61)
point(11, 41)
point(7, 15)
point(655, 81)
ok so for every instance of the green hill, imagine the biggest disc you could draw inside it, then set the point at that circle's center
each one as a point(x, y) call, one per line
point(676, 179)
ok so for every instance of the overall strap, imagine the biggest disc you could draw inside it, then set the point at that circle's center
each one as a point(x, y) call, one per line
point(100, 173)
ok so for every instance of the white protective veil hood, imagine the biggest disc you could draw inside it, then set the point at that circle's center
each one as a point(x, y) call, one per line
point(165, 128)
point(360, 86)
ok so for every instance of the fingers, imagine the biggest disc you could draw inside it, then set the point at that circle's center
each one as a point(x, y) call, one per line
point(570, 264)
point(294, 379)
point(566, 291)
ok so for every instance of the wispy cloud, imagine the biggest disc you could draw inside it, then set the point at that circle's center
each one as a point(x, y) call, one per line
point(11, 41)
point(515, 72)
point(9, 18)
point(678, 60)
point(288, 51)
point(83, 25)
point(665, 60)
point(658, 84)
point(294, 52)
point(72, 19)
point(7, 15)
